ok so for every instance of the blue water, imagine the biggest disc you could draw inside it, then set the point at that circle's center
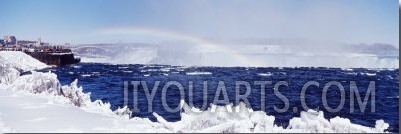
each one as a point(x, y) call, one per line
point(106, 82)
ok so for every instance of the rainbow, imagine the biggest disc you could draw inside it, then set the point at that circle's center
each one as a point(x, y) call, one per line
point(243, 59)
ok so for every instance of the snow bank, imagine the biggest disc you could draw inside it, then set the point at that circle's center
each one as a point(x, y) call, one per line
point(20, 61)
point(48, 84)
point(40, 113)
point(4, 128)
point(37, 102)
point(12, 63)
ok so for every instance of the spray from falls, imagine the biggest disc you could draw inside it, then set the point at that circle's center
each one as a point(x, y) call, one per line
point(185, 50)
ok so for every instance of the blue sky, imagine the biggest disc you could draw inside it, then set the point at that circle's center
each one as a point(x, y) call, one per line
point(79, 21)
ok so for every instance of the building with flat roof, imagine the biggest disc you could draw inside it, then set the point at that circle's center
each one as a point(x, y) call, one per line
point(10, 40)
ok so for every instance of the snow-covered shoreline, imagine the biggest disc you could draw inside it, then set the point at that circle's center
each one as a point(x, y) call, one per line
point(37, 102)
point(20, 61)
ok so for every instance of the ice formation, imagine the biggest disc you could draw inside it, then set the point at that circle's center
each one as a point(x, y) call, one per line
point(246, 120)
point(37, 102)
